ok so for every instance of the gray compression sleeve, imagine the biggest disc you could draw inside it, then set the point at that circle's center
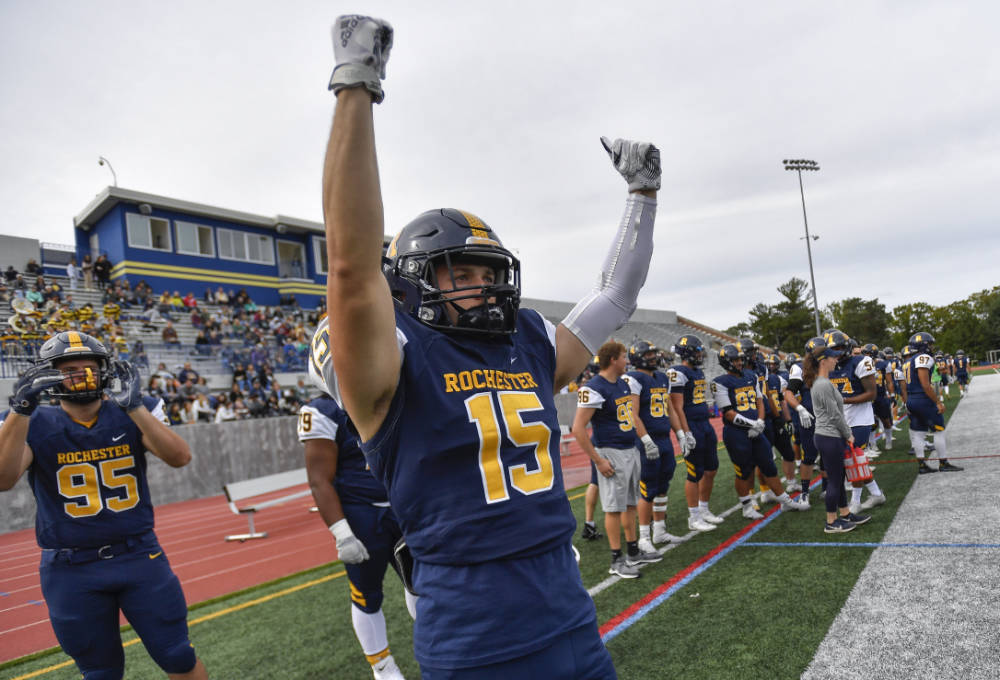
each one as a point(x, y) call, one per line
point(612, 301)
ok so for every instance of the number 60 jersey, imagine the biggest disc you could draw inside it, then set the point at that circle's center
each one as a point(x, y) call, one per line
point(469, 449)
point(89, 479)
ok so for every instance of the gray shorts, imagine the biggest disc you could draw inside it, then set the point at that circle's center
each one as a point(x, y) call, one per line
point(621, 490)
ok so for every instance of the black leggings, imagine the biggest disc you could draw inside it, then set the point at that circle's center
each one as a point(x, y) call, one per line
point(831, 451)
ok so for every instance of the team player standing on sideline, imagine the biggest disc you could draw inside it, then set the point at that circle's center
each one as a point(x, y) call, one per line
point(86, 463)
point(696, 437)
point(737, 394)
point(962, 372)
point(924, 405)
point(355, 507)
point(450, 385)
point(605, 403)
point(654, 419)
point(799, 399)
point(885, 393)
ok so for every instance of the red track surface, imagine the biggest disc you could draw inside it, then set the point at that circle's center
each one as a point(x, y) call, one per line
point(192, 535)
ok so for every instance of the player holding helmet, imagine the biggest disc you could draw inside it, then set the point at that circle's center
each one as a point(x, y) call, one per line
point(450, 385)
point(86, 463)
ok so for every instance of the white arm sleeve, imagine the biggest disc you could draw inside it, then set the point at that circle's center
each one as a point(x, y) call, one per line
point(721, 396)
point(612, 301)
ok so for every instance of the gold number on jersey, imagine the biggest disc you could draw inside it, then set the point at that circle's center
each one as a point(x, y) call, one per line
point(305, 421)
point(483, 414)
point(657, 405)
point(81, 481)
point(624, 413)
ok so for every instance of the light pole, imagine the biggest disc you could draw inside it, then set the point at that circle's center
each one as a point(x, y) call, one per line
point(799, 165)
point(104, 161)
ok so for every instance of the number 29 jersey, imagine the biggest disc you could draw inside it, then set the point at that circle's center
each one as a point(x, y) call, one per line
point(89, 480)
point(469, 448)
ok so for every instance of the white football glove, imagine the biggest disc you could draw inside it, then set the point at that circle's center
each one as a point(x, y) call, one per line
point(758, 427)
point(349, 548)
point(805, 417)
point(652, 450)
point(361, 47)
point(691, 441)
point(638, 162)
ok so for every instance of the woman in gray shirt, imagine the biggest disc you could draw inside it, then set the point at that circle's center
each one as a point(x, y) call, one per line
point(832, 435)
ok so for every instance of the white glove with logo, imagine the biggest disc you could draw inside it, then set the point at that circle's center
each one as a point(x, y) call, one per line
point(652, 450)
point(805, 417)
point(691, 441)
point(757, 428)
point(638, 162)
point(361, 47)
point(349, 548)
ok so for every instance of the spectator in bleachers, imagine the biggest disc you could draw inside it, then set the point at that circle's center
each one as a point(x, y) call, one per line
point(34, 296)
point(224, 411)
point(169, 334)
point(174, 413)
point(189, 414)
point(4, 291)
point(203, 408)
point(142, 293)
point(187, 373)
point(154, 387)
point(139, 358)
point(256, 406)
point(87, 269)
point(188, 391)
point(214, 338)
point(20, 286)
point(70, 302)
point(201, 344)
point(10, 275)
point(102, 271)
point(176, 302)
point(72, 272)
point(258, 355)
point(196, 319)
point(164, 372)
point(33, 267)
point(209, 295)
point(190, 301)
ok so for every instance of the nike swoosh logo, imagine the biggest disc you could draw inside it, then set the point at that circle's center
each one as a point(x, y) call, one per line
point(114, 439)
point(155, 555)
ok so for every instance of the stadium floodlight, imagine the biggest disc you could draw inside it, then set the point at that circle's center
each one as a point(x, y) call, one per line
point(104, 161)
point(799, 165)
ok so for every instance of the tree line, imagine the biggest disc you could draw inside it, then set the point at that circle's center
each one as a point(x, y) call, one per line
point(972, 324)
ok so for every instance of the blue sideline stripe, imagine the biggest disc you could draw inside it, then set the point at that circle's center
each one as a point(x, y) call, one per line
point(831, 544)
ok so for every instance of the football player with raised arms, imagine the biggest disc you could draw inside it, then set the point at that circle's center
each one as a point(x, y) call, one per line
point(606, 404)
point(654, 419)
point(737, 394)
point(695, 435)
point(451, 387)
point(924, 405)
point(86, 464)
point(355, 507)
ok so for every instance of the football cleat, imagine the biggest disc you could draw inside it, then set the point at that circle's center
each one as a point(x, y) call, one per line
point(665, 537)
point(590, 533)
point(767, 496)
point(791, 486)
point(945, 466)
point(791, 504)
point(925, 468)
point(643, 557)
point(873, 501)
point(707, 515)
point(750, 513)
point(622, 569)
point(803, 501)
point(698, 524)
point(386, 669)
point(838, 526)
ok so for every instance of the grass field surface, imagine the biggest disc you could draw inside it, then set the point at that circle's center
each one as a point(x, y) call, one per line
point(759, 610)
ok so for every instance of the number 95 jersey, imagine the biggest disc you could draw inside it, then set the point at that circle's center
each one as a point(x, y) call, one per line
point(469, 448)
point(89, 479)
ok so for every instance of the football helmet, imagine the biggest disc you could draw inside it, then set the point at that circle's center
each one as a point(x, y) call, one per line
point(960, 353)
point(939, 355)
point(906, 352)
point(791, 359)
point(815, 343)
point(890, 353)
point(690, 348)
point(748, 348)
point(85, 386)
point(448, 237)
point(729, 355)
point(922, 343)
point(870, 349)
point(637, 355)
point(773, 362)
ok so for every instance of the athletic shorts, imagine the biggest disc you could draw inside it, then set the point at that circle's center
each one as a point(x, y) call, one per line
point(882, 408)
point(963, 378)
point(620, 490)
point(862, 433)
point(924, 416)
point(747, 453)
point(705, 456)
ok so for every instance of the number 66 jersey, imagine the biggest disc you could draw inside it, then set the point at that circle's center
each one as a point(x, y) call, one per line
point(89, 479)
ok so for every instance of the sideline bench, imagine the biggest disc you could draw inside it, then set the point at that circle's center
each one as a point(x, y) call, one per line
point(240, 491)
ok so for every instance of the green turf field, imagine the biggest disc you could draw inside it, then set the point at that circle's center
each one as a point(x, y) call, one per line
point(758, 611)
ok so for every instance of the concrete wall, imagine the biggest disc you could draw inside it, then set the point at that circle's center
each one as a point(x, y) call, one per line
point(228, 452)
point(17, 251)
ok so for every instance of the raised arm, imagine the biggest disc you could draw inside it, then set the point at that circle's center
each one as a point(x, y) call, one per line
point(360, 308)
point(610, 304)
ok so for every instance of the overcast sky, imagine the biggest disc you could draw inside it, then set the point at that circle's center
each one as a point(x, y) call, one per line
point(496, 108)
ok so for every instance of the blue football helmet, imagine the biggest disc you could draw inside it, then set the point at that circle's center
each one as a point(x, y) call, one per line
point(446, 238)
point(731, 358)
point(84, 385)
point(922, 343)
point(690, 348)
point(637, 355)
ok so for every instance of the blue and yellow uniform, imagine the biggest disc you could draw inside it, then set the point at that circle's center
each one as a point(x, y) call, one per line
point(362, 498)
point(472, 470)
point(654, 402)
point(690, 382)
point(775, 430)
point(847, 377)
point(100, 555)
point(924, 416)
point(805, 435)
point(740, 393)
point(962, 369)
point(882, 407)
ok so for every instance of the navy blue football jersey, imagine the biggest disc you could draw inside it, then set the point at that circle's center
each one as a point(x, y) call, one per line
point(881, 369)
point(691, 383)
point(775, 388)
point(469, 448)
point(612, 424)
point(961, 365)
point(654, 401)
point(911, 374)
point(738, 392)
point(847, 378)
point(89, 479)
point(322, 418)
